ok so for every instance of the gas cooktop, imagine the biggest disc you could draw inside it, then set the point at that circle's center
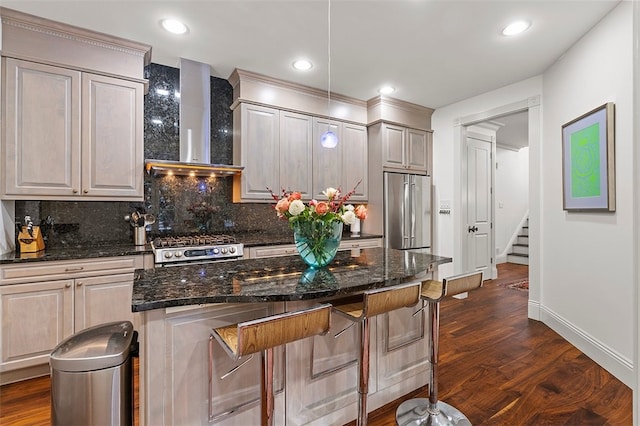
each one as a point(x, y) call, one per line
point(192, 248)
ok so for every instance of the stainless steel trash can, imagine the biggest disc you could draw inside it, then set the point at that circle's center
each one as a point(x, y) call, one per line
point(91, 376)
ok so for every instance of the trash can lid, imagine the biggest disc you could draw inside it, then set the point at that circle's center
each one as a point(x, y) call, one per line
point(102, 346)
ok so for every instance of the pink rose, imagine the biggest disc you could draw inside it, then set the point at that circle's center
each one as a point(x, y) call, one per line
point(282, 205)
point(322, 208)
point(361, 212)
point(295, 196)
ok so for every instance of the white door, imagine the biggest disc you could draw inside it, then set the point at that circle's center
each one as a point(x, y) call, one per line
point(478, 226)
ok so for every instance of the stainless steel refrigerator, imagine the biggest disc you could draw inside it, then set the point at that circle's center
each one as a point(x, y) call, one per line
point(407, 211)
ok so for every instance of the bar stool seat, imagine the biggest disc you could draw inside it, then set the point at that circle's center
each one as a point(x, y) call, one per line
point(423, 411)
point(264, 334)
point(359, 309)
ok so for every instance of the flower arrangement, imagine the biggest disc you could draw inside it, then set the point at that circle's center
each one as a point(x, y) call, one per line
point(317, 225)
point(291, 207)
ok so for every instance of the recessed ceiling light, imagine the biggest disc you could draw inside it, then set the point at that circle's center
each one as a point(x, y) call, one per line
point(516, 28)
point(174, 26)
point(385, 90)
point(302, 65)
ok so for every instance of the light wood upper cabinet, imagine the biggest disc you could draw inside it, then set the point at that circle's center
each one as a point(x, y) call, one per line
point(41, 153)
point(256, 147)
point(327, 163)
point(71, 135)
point(404, 149)
point(112, 137)
point(275, 148)
point(355, 164)
point(346, 164)
point(296, 132)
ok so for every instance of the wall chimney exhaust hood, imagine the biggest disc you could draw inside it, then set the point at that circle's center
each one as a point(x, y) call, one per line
point(195, 131)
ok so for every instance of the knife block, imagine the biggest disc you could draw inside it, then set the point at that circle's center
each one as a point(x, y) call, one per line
point(29, 243)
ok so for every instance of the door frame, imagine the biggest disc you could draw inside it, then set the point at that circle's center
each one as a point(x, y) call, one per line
point(533, 106)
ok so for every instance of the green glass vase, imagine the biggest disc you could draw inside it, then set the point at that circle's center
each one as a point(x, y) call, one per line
point(317, 241)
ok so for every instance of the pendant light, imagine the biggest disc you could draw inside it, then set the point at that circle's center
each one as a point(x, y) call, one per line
point(329, 139)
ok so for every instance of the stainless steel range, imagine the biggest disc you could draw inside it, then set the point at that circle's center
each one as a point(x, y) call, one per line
point(176, 250)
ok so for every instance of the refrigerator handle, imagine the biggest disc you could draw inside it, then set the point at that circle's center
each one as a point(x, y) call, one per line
point(405, 238)
point(412, 232)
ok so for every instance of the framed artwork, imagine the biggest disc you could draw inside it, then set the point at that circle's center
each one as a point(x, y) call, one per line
point(588, 161)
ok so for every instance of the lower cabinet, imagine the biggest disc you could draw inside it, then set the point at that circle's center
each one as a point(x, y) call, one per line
point(38, 313)
point(35, 318)
point(290, 249)
point(315, 378)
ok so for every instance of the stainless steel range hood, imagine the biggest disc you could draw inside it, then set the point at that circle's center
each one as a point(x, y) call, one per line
point(195, 131)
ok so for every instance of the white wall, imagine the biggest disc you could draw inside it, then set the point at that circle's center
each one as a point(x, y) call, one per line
point(446, 161)
point(512, 197)
point(587, 274)
point(582, 276)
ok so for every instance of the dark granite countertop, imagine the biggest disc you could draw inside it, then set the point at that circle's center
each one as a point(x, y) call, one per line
point(75, 253)
point(249, 239)
point(277, 279)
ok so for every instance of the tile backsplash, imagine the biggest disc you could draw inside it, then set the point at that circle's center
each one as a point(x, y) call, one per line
point(182, 205)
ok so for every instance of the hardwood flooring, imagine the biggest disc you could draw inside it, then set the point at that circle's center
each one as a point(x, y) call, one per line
point(500, 368)
point(496, 366)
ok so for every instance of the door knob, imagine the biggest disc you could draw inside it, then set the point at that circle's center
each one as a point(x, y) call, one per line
point(472, 229)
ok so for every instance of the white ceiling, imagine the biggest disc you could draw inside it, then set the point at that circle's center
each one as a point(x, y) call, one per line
point(513, 131)
point(434, 52)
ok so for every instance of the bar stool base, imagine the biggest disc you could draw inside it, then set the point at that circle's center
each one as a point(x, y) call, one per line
point(415, 412)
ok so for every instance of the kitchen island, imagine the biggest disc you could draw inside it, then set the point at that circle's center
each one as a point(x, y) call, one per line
point(317, 376)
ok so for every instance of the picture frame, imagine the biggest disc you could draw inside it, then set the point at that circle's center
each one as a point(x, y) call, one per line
point(588, 161)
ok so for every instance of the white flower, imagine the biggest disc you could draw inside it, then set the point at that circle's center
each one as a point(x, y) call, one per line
point(296, 207)
point(349, 207)
point(349, 217)
point(330, 193)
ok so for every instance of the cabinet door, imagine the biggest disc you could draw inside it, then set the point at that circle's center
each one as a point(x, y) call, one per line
point(416, 159)
point(355, 165)
point(296, 165)
point(41, 153)
point(35, 318)
point(260, 154)
point(327, 162)
point(402, 347)
point(102, 299)
point(393, 146)
point(112, 141)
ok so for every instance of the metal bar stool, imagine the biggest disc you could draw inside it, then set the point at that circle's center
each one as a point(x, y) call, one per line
point(262, 335)
point(422, 411)
point(360, 309)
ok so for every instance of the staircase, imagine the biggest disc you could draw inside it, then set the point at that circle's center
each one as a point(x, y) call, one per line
point(520, 250)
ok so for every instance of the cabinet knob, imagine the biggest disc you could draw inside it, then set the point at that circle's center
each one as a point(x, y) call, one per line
point(79, 284)
point(75, 191)
point(67, 285)
point(86, 191)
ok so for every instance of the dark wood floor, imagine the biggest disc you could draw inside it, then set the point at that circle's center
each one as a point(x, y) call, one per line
point(500, 368)
point(496, 366)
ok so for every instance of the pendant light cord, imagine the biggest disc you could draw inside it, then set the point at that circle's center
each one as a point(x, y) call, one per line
point(329, 59)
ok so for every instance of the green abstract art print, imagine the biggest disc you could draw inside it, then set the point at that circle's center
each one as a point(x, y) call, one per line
point(588, 161)
point(585, 162)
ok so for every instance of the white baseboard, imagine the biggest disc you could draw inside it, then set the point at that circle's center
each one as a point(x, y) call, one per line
point(610, 360)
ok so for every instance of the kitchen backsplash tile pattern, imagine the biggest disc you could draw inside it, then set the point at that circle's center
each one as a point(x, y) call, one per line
point(182, 205)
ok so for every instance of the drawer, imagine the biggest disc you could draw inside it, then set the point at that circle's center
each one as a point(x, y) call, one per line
point(273, 251)
point(10, 274)
point(355, 244)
